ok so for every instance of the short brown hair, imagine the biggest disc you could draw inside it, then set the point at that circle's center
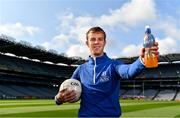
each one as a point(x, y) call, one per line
point(96, 29)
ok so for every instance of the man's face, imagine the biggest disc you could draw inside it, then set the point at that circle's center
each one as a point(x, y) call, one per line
point(96, 43)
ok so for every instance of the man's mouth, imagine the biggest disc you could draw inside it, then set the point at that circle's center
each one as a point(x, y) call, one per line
point(97, 47)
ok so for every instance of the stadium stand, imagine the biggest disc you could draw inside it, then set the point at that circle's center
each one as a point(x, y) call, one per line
point(166, 95)
point(27, 66)
point(132, 93)
point(178, 96)
point(14, 70)
point(25, 74)
point(149, 94)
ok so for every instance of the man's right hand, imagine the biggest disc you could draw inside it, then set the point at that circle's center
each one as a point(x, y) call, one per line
point(66, 96)
point(154, 49)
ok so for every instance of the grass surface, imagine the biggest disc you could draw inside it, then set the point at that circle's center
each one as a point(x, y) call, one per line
point(47, 108)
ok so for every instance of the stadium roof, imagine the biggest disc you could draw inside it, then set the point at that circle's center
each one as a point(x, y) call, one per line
point(168, 58)
point(24, 49)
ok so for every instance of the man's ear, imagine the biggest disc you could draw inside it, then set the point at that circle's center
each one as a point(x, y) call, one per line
point(87, 43)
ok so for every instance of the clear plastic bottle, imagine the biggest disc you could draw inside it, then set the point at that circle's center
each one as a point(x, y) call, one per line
point(150, 60)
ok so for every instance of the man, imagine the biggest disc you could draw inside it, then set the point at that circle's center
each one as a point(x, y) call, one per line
point(100, 78)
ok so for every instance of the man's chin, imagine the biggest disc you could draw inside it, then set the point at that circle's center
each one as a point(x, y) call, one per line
point(97, 54)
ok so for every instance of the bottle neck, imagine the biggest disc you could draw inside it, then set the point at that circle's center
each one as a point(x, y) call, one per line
point(148, 31)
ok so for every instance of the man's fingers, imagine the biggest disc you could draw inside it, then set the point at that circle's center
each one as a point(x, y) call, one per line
point(156, 44)
point(68, 96)
point(63, 91)
point(155, 52)
point(72, 92)
point(142, 52)
point(154, 48)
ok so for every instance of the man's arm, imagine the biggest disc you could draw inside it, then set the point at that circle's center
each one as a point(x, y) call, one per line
point(134, 69)
point(127, 71)
point(76, 74)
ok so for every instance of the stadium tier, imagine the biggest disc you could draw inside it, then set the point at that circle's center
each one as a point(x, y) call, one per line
point(24, 74)
point(166, 95)
point(21, 78)
point(26, 66)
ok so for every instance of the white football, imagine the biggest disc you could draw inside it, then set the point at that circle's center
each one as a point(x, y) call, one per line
point(72, 84)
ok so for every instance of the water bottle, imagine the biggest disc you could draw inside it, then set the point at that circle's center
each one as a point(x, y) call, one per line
point(150, 59)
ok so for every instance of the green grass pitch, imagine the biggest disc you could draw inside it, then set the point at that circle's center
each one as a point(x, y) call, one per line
point(47, 108)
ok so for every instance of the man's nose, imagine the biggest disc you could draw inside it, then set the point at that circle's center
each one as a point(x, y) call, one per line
point(96, 41)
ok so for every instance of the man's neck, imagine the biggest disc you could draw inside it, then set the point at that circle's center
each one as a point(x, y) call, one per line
point(95, 56)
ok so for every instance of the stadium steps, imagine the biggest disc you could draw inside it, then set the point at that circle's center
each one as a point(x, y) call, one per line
point(38, 92)
point(50, 92)
point(156, 94)
point(176, 94)
point(141, 91)
point(9, 91)
point(22, 94)
point(20, 89)
point(124, 92)
point(30, 92)
point(4, 94)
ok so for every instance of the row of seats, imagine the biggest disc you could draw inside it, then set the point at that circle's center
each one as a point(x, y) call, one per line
point(162, 72)
point(32, 67)
point(152, 94)
point(166, 95)
point(27, 66)
point(27, 91)
point(21, 91)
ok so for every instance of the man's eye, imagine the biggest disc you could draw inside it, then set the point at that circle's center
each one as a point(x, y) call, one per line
point(93, 39)
point(101, 39)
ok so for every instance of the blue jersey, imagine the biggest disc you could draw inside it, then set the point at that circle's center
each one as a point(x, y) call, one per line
point(100, 78)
